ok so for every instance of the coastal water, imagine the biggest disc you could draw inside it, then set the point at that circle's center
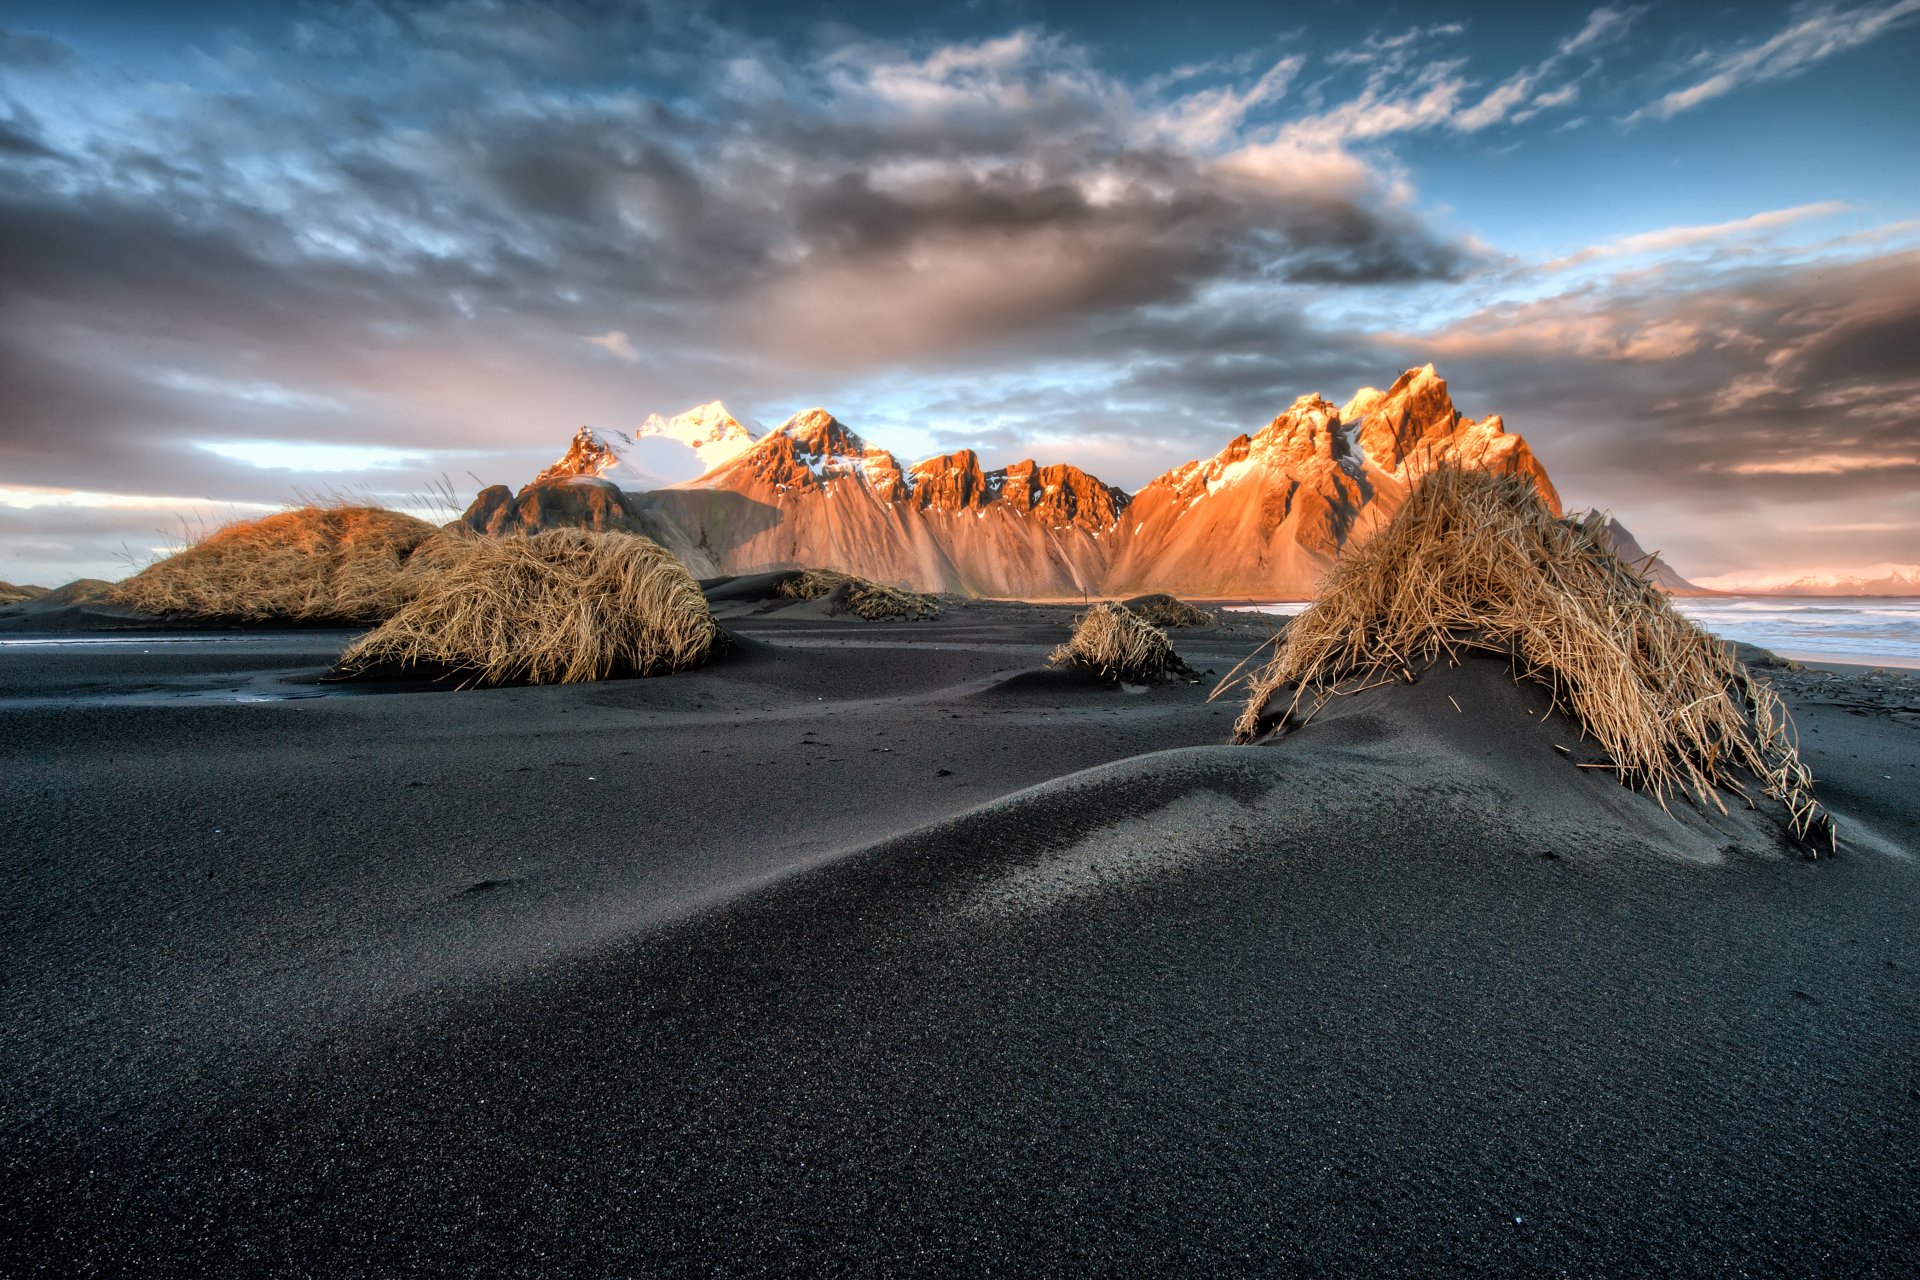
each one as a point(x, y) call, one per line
point(1874, 631)
point(1877, 631)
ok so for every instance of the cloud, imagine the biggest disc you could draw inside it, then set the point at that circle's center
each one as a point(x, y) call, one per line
point(1812, 37)
point(864, 205)
point(616, 342)
point(406, 228)
point(1670, 238)
point(1407, 89)
point(1825, 464)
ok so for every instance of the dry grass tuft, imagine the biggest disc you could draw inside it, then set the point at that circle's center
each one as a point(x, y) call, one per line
point(871, 600)
point(1163, 610)
point(557, 607)
point(1113, 641)
point(1474, 561)
point(335, 563)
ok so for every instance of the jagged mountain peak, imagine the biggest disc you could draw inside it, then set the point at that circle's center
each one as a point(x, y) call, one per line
point(1309, 431)
point(1362, 402)
point(1057, 495)
point(592, 453)
point(820, 434)
point(1263, 517)
point(713, 433)
point(1414, 426)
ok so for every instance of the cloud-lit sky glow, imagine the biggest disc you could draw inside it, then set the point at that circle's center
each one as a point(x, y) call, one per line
point(249, 250)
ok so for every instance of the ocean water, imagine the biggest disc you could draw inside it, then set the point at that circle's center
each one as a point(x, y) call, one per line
point(1877, 631)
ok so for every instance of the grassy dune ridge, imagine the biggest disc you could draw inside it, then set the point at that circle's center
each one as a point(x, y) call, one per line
point(1475, 561)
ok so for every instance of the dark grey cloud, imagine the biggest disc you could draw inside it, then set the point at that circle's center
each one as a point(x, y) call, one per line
point(32, 51)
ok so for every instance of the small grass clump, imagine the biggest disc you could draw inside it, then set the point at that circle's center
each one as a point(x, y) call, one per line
point(1475, 561)
point(871, 600)
point(311, 564)
point(12, 593)
point(1163, 610)
point(1116, 643)
point(558, 607)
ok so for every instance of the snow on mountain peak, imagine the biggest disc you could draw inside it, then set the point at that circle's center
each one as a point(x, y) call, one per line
point(714, 434)
point(1885, 579)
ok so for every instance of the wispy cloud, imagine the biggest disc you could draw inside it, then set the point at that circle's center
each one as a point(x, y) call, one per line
point(615, 342)
point(1410, 86)
point(1813, 36)
point(1519, 97)
point(1825, 464)
point(1670, 238)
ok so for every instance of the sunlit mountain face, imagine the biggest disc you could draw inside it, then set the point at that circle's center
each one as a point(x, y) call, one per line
point(249, 252)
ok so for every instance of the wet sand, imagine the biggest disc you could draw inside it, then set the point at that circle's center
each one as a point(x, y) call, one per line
point(878, 948)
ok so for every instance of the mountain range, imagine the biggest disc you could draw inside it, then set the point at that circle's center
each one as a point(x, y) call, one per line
point(1263, 518)
point(1872, 580)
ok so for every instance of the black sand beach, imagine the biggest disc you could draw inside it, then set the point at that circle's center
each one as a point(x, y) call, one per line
point(878, 949)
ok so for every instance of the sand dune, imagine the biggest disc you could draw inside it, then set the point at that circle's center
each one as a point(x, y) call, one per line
point(880, 948)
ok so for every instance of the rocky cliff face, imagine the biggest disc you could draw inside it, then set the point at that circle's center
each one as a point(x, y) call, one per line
point(1263, 518)
point(584, 502)
point(814, 493)
point(1413, 427)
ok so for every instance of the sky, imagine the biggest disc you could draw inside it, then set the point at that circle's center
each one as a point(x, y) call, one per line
point(255, 252)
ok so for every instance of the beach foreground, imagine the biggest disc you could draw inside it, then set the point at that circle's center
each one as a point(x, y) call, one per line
point(879, 948)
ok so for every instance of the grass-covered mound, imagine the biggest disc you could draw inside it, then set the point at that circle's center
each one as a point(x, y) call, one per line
point(1116, 643)
point(557, 607)
point(13, 593)
point(313, 564)
point(1163, 610)
point(871, 600)
point(1474, 561)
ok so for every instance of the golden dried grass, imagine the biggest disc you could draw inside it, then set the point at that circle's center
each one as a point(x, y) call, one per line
point(318, 563)
point(1168, 611)
point(558, 607)
point(871, 600)
point(1474, 561)
point(14, 593)
point(1112, 641)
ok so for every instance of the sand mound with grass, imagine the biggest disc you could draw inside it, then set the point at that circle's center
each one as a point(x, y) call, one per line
point(1474, 561)
point(871, 600)
point(338, 563)
point(558, 607)
point(12, 593)
point(1163, 610)
point(1116, 643)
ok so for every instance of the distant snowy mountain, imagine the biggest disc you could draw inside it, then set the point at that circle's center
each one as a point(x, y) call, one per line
point(1868, 580)
point(714, 434)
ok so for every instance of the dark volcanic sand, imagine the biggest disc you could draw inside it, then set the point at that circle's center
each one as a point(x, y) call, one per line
point(876, 949)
